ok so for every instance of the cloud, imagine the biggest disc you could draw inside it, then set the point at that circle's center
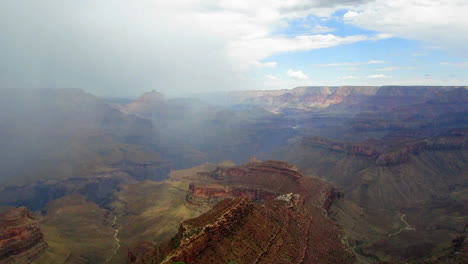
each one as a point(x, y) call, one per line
point(120, 47)
point(318, 29)
point(395, 68)
point(270, 64)
point(463, 64)
point(109, 48)
point(375, 62)
point(350, 77)
point(261, 48)
point(339, 64)
point(271, 77)
point(350, 15)
point(377, 76)
point(299, 75)
point(436, 23)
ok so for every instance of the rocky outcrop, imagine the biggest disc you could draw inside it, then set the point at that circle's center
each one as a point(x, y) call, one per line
point(239, 231)
point(271, 167)
point(303, 98)
point(403, 153)
point(265, 212)
point(195, 234)
point(260, 181)
point(228, 172)
point(277, 167)
point(367, 149)
point(391, 152)
point(144, 103)
point(199, 194)
point(310, 98)
point(21, 239)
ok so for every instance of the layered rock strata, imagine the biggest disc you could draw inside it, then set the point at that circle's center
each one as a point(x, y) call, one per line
point(387, 152)
point(266, 212)
point(21, 239)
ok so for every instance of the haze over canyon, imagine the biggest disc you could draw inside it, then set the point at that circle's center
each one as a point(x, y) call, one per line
point(308, 175)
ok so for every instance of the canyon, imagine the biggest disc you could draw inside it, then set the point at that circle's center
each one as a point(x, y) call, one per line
point(155, 179)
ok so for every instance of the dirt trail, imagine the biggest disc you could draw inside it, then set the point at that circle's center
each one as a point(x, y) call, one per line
point(117, 240)
point(406, 227)
point(362, 259)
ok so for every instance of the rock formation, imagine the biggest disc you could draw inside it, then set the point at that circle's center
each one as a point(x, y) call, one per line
point(303, 98)
point(259, 181)
point(391, 152)
point(266, 212)
point(202, 193)
point(21, 239)
point(312, 98)
point(240, 231)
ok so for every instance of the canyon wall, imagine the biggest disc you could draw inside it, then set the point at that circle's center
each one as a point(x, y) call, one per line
point(21, 238)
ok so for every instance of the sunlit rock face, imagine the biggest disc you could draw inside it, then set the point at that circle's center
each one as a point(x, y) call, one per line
point(274, 231)
point(264, 212)
point(21, 238)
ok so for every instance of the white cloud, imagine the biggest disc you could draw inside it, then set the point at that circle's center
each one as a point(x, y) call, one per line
point(271, 77)
point(350, 77)
point(270, 64)
point(375, 62)
point(389, 69)
point(463, 64)
point(297, 75)
point(436, 23)
point(126, 47)
point(247, 27)
point(377, 76)
point(380, 36)
point(394, 68)
point(260, 48)
point(350, 15)
point(339, 64)
point(319, 29)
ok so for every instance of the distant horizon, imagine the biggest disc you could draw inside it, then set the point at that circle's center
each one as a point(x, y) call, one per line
point(124, 48)
point(182, 95)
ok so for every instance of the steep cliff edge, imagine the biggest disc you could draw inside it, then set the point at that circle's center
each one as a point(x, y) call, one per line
point(259, 181)
point(21, 238)
point(266, 212)
point(304, 98)
point(313, 98)
point(240, 231)
point(391, 152)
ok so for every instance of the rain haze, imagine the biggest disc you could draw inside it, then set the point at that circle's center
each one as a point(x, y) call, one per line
point(124, 48)
point(233, 131)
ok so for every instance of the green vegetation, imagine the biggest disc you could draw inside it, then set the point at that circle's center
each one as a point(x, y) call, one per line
point(76, 230)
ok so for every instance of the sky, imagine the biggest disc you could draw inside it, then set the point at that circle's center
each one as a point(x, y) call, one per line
point(123, 48)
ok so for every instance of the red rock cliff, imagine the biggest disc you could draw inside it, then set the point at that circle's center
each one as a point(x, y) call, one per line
point(258, 226)
point(21, 239)
point(391, 152)
point(239, 231)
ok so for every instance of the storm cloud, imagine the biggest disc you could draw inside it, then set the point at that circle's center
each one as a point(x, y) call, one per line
point(124, 48)
point(106, 47)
